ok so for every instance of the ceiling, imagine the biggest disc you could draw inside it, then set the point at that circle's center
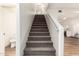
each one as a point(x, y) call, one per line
point(9, 5)
point(63, 5)
point(49, 5)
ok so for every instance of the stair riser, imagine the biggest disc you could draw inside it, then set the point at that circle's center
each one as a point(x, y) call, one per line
point(39, 25)
point(41, 18)
point(39, 34)
point(39, 38)
point(39, 30)
point(39, 44)
point(37, 21)
point(40, 53)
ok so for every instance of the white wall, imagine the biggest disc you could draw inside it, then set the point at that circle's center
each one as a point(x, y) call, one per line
point(2, 46)
point(26, 18)
point(7, 25)
point(63, 5)
point(0, 19)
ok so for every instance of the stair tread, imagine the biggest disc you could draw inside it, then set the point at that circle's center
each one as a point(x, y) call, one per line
point(39, 32)
point(40, 55)
point(39, 22)
point(40, 49)
point(39, 26)
point(39, 29)
point(39, 41)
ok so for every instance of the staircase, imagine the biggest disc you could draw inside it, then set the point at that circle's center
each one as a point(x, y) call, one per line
point(39, 41)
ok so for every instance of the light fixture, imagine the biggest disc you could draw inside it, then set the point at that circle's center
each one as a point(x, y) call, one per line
point(64, 18)
point(60, 11)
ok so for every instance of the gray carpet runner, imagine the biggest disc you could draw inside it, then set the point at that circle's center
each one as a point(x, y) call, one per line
point(39, 41)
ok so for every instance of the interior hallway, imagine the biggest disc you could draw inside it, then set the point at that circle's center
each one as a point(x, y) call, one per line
point(71, 47)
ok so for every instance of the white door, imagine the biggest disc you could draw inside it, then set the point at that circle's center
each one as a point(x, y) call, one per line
point(2, 47)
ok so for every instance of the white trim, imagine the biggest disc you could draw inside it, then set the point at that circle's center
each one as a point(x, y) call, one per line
point(18, 32)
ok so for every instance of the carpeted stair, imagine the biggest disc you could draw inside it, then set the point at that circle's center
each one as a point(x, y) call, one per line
point(39, 41)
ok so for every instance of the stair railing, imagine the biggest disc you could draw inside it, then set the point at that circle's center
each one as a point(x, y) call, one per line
point(57, 33)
